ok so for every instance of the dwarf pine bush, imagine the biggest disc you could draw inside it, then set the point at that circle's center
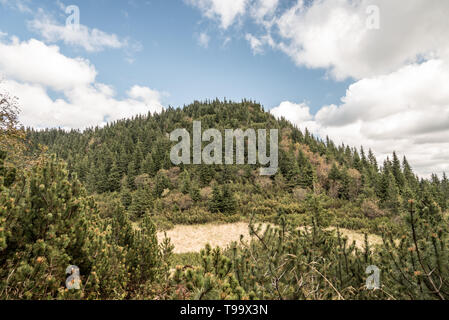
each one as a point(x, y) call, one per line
point(47, 223)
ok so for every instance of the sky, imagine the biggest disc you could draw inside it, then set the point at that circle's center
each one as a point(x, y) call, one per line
point(363, 72)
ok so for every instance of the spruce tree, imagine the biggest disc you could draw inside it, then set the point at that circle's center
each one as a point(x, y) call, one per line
point(114, 178)
point(397, 172)
point(229, 204)
point(306, 171)
point(141, 202)
point(216, 203)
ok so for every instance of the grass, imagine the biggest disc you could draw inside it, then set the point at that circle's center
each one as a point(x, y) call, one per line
point(193, 238)
point(189, 239)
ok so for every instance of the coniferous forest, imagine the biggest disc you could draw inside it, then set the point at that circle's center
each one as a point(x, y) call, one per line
point(96, 199)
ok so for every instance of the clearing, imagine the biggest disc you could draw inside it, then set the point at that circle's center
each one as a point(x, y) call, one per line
point(193, 238)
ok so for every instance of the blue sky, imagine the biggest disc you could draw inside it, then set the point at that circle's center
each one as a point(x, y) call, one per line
point(171, 60)
point(367, 72)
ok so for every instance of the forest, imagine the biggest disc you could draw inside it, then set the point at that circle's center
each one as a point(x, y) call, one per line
point(96, 199)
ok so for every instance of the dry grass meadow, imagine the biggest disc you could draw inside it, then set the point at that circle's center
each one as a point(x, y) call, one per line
point(193, 238)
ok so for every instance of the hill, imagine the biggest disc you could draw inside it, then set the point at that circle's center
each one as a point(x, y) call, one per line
point(130, 159)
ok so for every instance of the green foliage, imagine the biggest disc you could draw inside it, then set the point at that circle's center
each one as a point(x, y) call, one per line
point(211, 280)
point(110, 159)
point(279, 263)
point(162, 183)
point(49, 223)
point(223, 200)
point(417, 264)
point(286, 263)
point(141, 202)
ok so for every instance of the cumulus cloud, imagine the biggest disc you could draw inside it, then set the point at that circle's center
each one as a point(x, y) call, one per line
point(37, 63)
point(223, 10)
point(92, 40)
point(228, 12)
point(333, 34)
point(405, 111)
point(36, 73)
point(147, 95)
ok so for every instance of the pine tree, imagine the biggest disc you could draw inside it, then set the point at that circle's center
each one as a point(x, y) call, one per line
point(445, 192)
point(307, 172)
point(229, 204)
point(216, 203)
point(126, 196)
point(7, 173)
point(195, 193)
point(143, 255)
point(372, 160)
point(397, 172)
point(357, 162)
point(162, 183)
point(185, 183)
point(114, 178)
point(418, 260)
point(45, 232)
point(291, 170)
point(132, 174)
point(206, 174)
point(345, 184)
point(334, 173)
point(390, 194)
point(141, 202)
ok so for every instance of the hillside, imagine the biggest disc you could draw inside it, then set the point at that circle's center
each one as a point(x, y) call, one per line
point(129, 159)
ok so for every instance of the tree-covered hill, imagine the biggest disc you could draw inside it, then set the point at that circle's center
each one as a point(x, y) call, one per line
point(129, 159)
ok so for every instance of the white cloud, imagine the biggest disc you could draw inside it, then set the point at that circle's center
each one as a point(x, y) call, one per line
point(147, 95)
point(405, 111)
point(92, 40)
point(37, 63)
point(224, 10)
point(32, 69)
point(332, 34)
point(257, 44)
point(20, 5)
point(203, 40)
point(298, 114)
point(227, 12)
point(263, 11)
